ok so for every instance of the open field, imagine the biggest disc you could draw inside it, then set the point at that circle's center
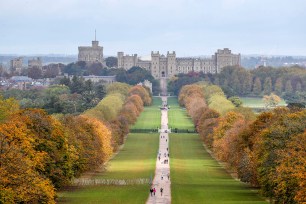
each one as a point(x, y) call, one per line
point(197, 178)
point(135, 161)
point(253, 102)
point(177, 117)
point(150, 117)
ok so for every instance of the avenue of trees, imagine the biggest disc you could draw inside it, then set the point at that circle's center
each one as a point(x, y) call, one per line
point(41, 153)
point(287, 82)
point(267, 150)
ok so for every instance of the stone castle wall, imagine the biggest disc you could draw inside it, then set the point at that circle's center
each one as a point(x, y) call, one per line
point(168, 66)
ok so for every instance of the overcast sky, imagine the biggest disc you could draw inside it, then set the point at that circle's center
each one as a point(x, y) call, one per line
point(190, 27)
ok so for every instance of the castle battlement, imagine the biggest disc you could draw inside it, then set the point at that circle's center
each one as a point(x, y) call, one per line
point(169, 65)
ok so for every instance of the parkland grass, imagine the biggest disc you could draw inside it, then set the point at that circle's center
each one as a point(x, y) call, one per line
point(150, 117)
point(255, 102)
point(177, 116)
point(135, 161)
point(197, 178)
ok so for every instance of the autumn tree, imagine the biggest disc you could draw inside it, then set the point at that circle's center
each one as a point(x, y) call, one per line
point(257, 86)
point(272, 100)
point(206, 124)
point(7, 107)
point(49, 137)
point(285, 127)
point(118, 87)
point(220, 104)
point(108, 108)
point(235, 100)
point(278, 86)
point(142, 93)
point(291, 173)
point(35, 72)
point(20, 182)
point(288, 86)
point(222, 136)
point(267, 87)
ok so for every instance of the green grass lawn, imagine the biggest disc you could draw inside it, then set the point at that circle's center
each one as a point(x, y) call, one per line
point(150, 117)
point(198, 178)
point(177, 117)
point(136, 160)
point(254, 102)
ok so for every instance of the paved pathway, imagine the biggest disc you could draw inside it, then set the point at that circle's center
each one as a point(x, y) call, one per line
point(162, 170)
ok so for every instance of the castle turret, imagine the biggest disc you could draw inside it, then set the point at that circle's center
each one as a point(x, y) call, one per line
point(155, 56)
point(171, 64)
point(95, 43)
point(120, 59)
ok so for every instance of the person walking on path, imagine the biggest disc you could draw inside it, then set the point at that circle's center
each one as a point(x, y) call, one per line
point(168, 176)
point(154, 191)
point(161, 191)
point(151, 191)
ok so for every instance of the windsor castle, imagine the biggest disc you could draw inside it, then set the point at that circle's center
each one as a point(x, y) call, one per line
point(164, 66)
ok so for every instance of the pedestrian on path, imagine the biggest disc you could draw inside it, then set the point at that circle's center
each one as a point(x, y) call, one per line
point(168, 176)
point(161, 191)
point(158, 158)
point(154, 191)
point(151, 191)
point(162, 177)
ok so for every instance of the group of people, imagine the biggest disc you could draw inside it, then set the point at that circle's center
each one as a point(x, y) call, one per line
point(168, 175)
point(153, 191)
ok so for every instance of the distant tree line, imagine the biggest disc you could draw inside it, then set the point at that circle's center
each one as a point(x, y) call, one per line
point(132, 76)
point(287, 82)
point(70, 96)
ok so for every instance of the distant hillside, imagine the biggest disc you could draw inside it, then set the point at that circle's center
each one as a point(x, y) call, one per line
point(273, 61)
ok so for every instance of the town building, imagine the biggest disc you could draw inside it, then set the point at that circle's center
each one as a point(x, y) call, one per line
point(35, 62)
point(169, 65)
point(102, 79)
point(20, 82)
point(16, 65)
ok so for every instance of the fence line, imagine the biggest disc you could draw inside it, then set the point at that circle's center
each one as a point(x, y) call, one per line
point(143, 130)
point(116, 182)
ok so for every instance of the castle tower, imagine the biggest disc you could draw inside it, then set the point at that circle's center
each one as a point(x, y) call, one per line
point(171, 64)
point(155, 64)
point(91, 54)
point(120, 59)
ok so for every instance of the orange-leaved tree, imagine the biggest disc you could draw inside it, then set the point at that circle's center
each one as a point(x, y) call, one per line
point(20, 182)
point(49, 137)
point(143, 93)
point(224, 134)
